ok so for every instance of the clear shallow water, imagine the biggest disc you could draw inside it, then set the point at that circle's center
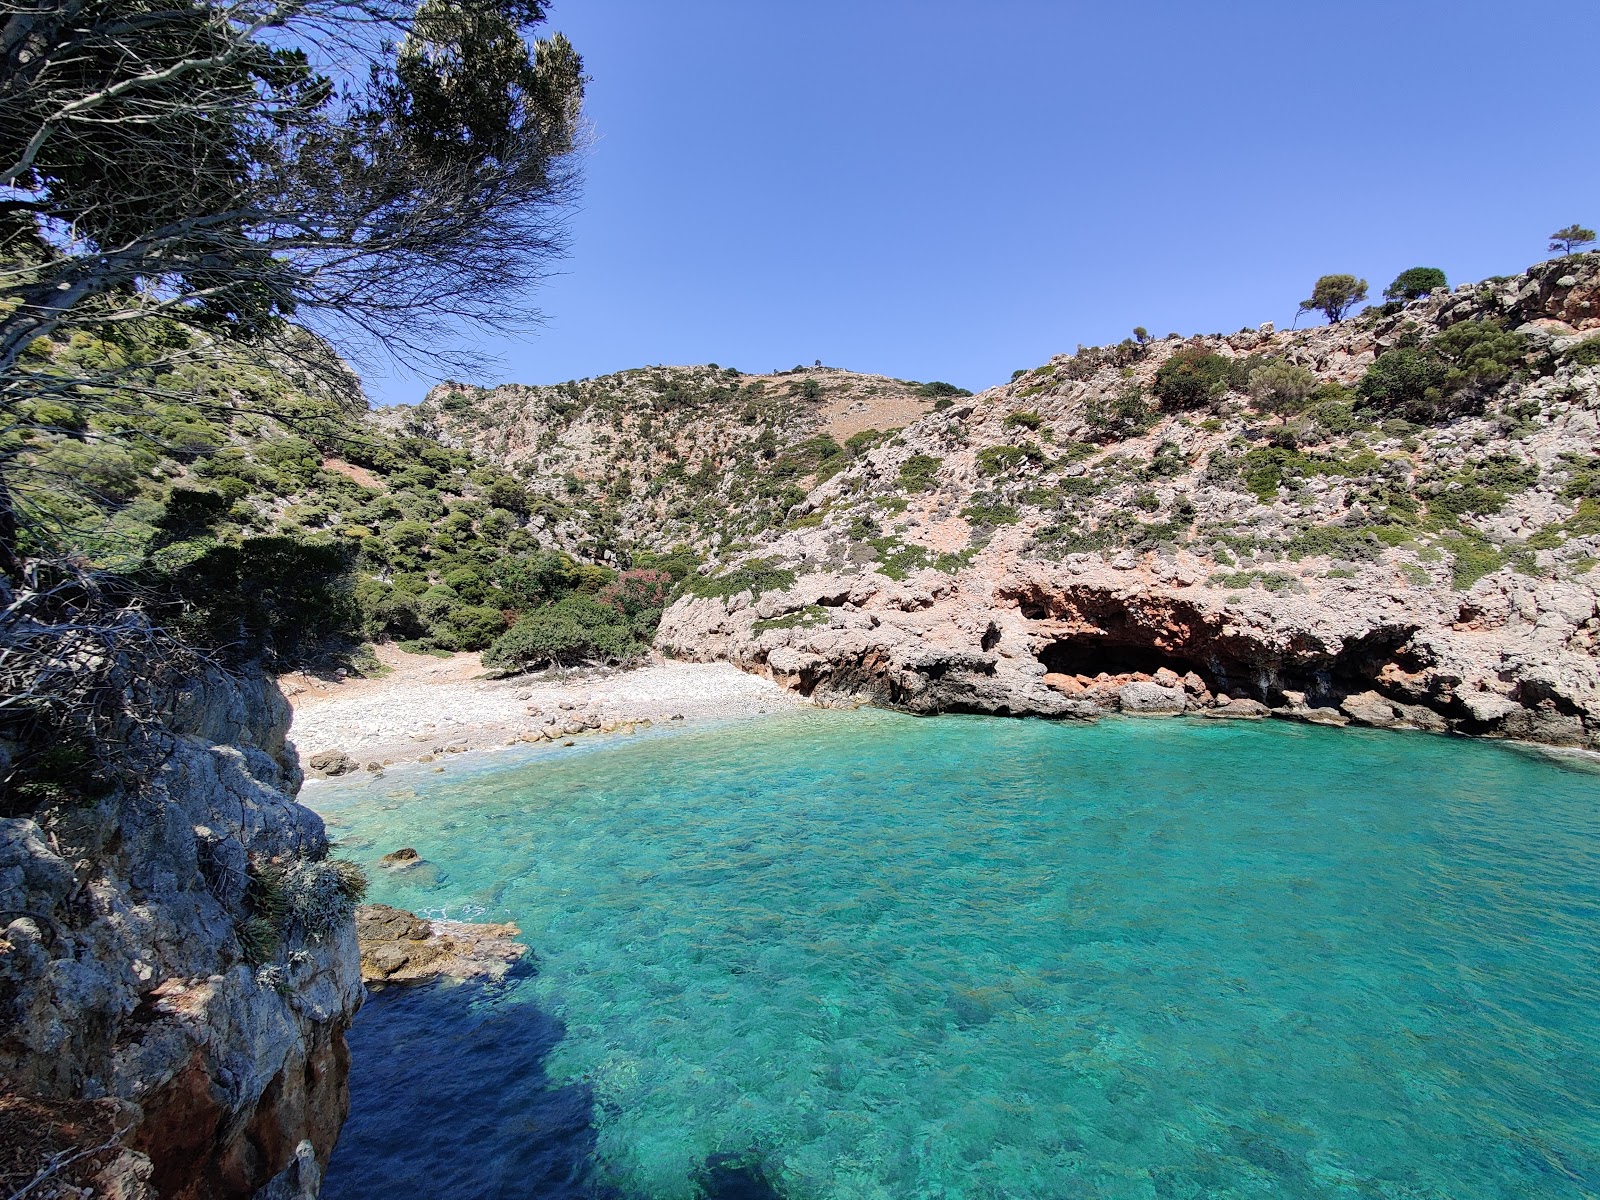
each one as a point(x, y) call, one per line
point(864, 955)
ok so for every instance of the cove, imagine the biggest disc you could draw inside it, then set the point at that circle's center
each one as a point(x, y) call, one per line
point(840, 955)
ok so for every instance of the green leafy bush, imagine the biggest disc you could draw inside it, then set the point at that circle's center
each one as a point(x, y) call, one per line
point(1113, 418)
point(938, 389)
point(997, 460)
point(919, 472)
point(1192, 378)
point(1447, 377)
point(1415, 282)
point(573, 630)
point(758, 576)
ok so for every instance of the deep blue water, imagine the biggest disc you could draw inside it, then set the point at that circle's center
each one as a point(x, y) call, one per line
point(864, 955)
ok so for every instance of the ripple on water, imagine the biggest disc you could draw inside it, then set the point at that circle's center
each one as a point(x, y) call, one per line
point(863, 955)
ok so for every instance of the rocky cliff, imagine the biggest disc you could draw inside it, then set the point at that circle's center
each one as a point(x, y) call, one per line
point(1392, 520)
point(177, 944)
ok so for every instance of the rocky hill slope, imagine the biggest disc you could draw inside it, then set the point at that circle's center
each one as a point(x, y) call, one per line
point(1392, 520)
point(662, 457)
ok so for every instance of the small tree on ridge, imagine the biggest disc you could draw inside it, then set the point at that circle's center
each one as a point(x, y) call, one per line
point(1335, 295)
point(1414, 282)
point(1569, 239)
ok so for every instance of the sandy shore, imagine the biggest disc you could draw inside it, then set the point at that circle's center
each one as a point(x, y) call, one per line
point(427, 706)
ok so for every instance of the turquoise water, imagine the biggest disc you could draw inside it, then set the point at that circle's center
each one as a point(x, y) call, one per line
point(865, 955)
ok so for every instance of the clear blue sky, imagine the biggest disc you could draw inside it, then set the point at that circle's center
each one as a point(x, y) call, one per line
point(952, 191)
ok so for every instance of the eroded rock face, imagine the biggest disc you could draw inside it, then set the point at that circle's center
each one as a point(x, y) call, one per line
point(123, 975)
point(1015, 553)
point(1012, 637)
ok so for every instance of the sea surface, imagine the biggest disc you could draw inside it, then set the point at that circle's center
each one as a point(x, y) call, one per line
point(835, 955)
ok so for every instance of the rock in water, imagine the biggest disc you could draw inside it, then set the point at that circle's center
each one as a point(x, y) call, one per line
point(332, 762)
point(1151, 699)
point(400, 947)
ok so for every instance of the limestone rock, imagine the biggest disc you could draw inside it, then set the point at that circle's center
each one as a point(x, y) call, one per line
point(1369, 708)
point(401, 947)
point(332, 762)
point(1238, 710)
point(1152, 699)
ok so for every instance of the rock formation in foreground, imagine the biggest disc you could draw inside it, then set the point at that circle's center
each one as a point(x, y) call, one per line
point(1393, 520)
point(177, 961)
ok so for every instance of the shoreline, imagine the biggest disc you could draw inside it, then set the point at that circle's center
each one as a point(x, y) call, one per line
point(426, 709)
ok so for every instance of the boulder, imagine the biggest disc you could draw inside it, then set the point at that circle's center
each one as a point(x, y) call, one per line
point(1238, 710)
point(332, 762)
point(400, 859)
point(1151, 699)
point(400, 947)
point(1369, 708)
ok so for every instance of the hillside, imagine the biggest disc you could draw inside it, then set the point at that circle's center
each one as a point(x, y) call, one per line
point(662, 457)
point(1395, 524)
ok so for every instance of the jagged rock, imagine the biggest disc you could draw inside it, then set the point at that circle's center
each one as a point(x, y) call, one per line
point(332, 762)
point(127, 978)
point(1369, 708)
point(1152, 699)
point(401, 947)
point(400, 859)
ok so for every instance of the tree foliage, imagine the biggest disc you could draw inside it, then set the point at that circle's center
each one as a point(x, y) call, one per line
point(1193, 378)
point(1451, 375)
point(179, 180)
point(1570, 238)
point(1414, 282)
point(1335, 295)
point(1281, 389)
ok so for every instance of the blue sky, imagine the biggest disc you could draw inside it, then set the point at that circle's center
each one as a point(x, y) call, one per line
point(951, 191)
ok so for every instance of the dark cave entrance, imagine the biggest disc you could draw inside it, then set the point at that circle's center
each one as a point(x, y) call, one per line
point(1242, 668)
point(1090, 656)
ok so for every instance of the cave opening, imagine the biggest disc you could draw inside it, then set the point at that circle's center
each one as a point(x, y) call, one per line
point(1090, 655)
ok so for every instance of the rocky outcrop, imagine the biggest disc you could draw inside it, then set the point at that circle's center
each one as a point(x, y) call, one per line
point(1009, 555)
point(136, 966)
point(401, 947)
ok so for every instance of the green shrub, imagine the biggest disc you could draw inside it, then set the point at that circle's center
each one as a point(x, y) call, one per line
point(1281, 389)
point(1113, 418)
point(1414, 282)
point(758, 576)
point(1024, 419)
point(1192, 378)
point(919, 472)
point(997, 460)
point(468, 627)
point(279, 599)
point(990, 510)
point(573, 630)
point(1445, 378)
point(1471, 559)
point(1585, 354)
point(939, 389)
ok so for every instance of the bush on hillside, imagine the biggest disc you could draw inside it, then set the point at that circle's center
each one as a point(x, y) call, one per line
point(574, 630)
point(1415, 282)
point(918, 473)
point(1281, 389)
point(1112, 418)
point(1448, 377)
point(279, 599)
point(937, 388)
point(1192, 378)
